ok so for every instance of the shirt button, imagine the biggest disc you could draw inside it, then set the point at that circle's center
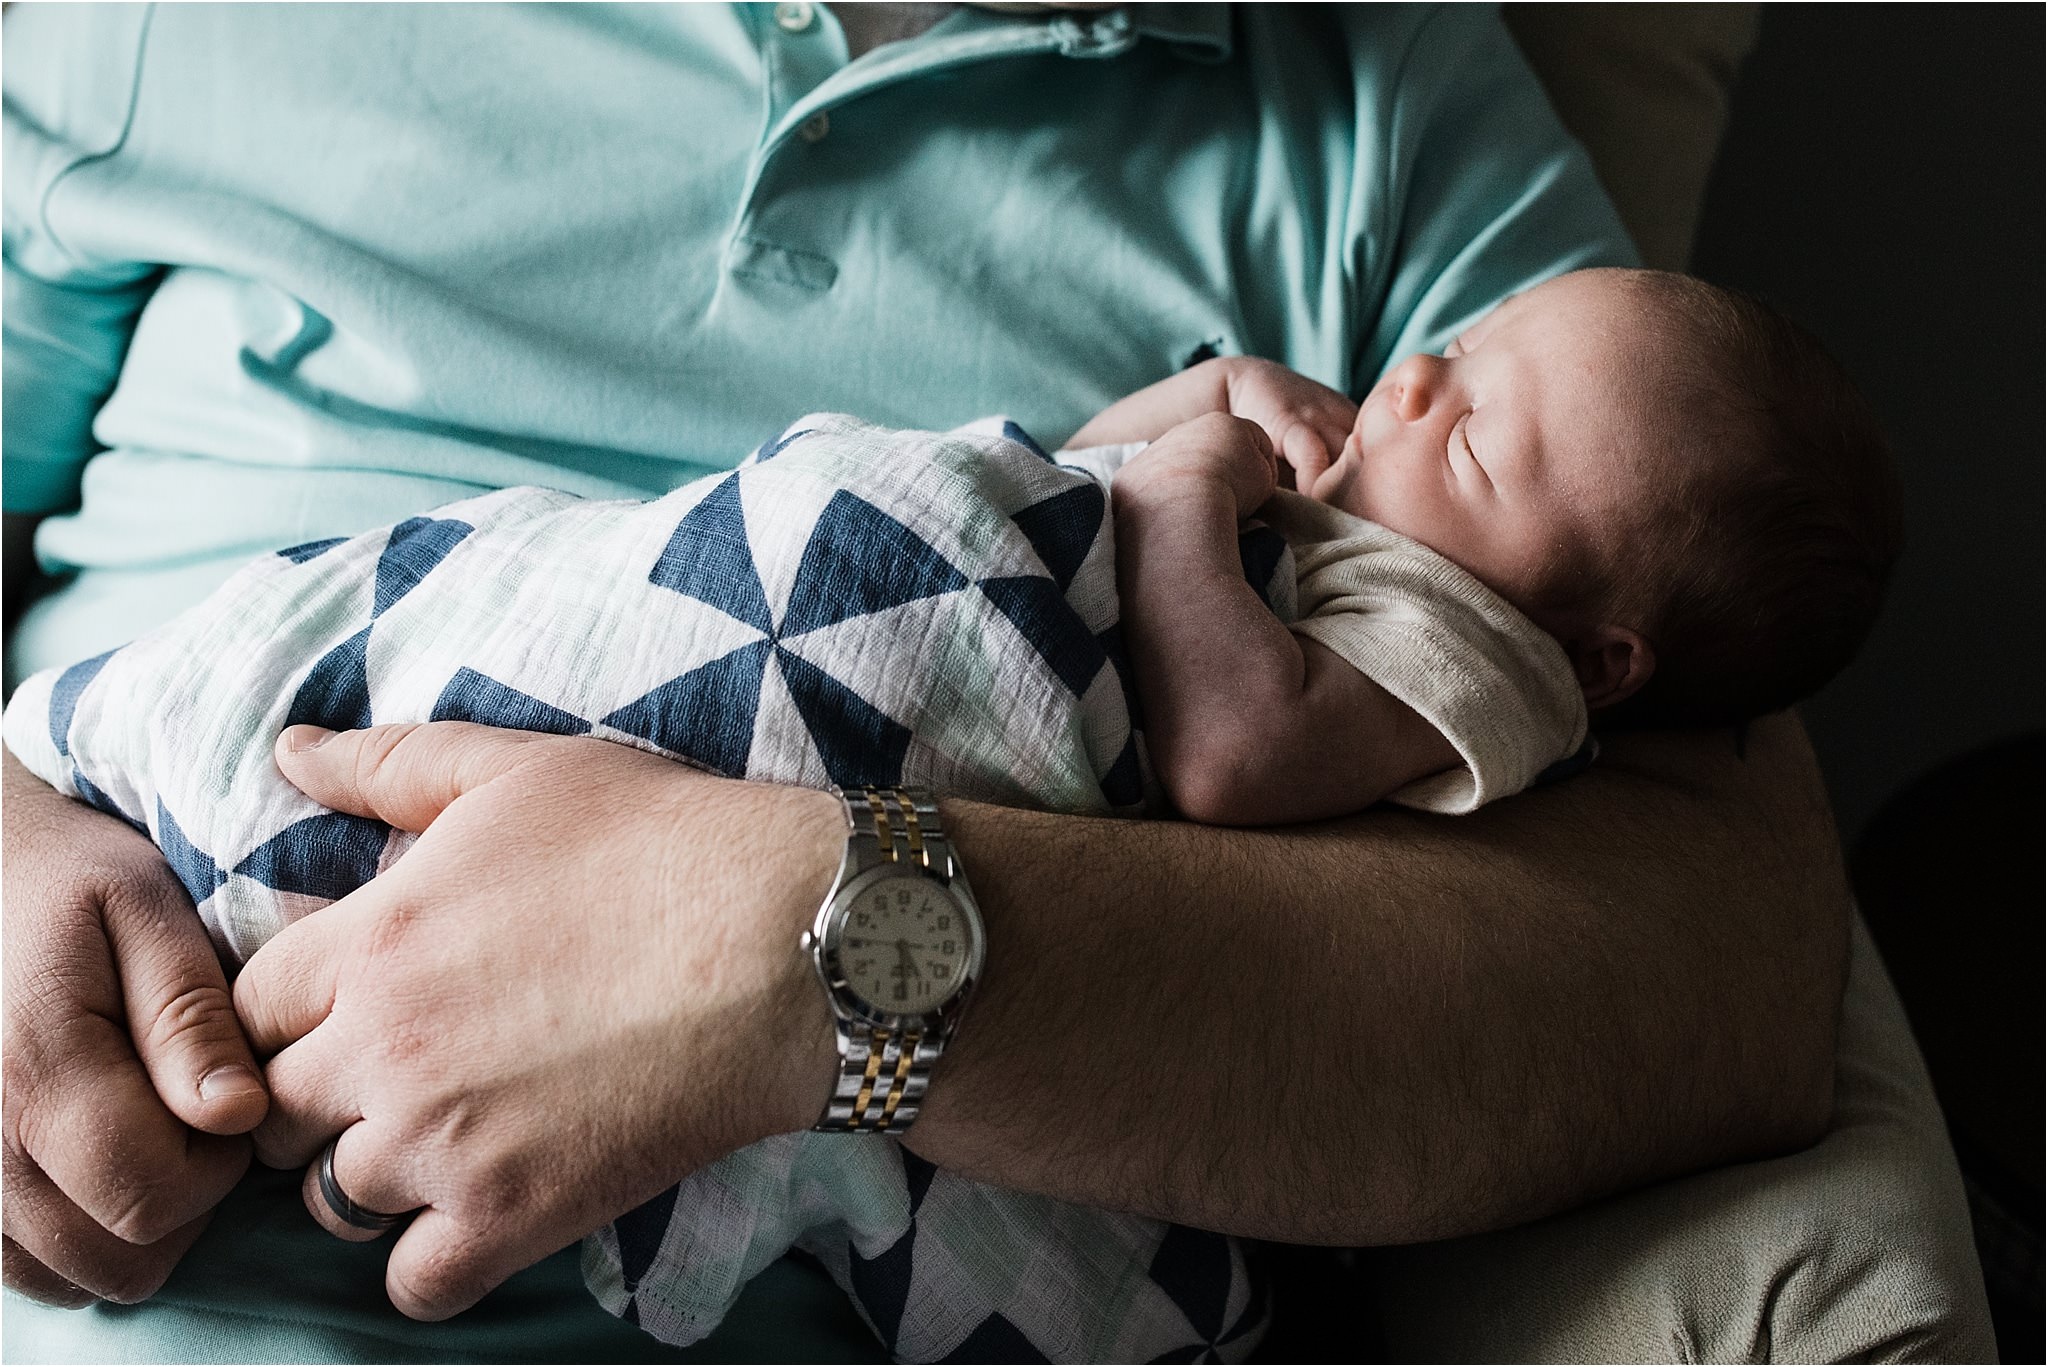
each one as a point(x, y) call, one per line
point(795, 17)
point(814, 128)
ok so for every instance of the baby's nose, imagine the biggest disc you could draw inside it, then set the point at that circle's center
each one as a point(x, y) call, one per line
point(1414, 386)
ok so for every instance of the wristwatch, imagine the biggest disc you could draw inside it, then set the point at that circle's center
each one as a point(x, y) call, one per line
point(898, 945)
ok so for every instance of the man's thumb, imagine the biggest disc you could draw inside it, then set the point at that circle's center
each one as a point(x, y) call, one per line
point(180, 1016)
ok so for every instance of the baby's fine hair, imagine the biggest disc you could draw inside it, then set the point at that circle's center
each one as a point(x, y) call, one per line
point(1776, 550)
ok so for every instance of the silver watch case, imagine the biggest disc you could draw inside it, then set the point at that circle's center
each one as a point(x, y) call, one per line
point(821, 941)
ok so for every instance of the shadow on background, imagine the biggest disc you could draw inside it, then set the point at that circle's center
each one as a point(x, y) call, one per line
point(1882, 181)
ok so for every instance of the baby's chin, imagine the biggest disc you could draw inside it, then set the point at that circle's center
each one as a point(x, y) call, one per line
point(1338, 485)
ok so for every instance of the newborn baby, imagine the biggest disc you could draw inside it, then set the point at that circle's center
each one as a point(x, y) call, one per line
point(1606, 494)
point(1675, 485)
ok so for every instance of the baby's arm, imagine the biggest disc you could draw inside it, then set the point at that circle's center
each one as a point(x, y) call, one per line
point(1247, 723)
point(1306, 421)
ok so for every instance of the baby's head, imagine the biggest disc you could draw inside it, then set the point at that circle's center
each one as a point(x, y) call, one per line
point(1671, 479)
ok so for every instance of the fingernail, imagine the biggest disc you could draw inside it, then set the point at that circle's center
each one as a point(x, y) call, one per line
point(232, 1080)
point(297, 738)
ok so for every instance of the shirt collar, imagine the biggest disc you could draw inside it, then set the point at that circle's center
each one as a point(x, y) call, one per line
point(1198, 32)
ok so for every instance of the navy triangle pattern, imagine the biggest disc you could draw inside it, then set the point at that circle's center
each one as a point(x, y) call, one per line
point(917, 1177)
point(859, 744)
point(708, 559)
point(640, 1232)
point(882, 1283)
point(1193, 1268)
point(195, 867)
point(707, 714)
point(307, 550)
point(64, 696)
point(1111, 639)
point(96, 798)
point(995, 1339)
point(327, 856)
point(860, 560)
point(336, 694)
point(415, 547)
point(471, 696)
point(1061, 529)
point(769, 450)
point(1039, 611)
point(1124, 784)
point(1259, 549)
point(1260, 1288)
point(1017, 434)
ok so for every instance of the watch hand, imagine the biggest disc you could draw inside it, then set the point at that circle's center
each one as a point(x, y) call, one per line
point(903, 948)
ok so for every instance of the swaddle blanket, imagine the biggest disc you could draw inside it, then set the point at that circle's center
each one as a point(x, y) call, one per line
point(851, 605)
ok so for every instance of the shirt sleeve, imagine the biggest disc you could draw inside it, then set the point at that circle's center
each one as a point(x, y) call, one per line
point(68, 318)
point(1491, 681)
point(1483, 193)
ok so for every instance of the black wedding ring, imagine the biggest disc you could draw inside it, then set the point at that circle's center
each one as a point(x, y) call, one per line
point(345, 1209)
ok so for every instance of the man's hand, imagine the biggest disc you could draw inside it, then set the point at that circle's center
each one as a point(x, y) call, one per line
point(121, 1043)
point(582, 983)
point(1229, 458)
point(1307, 422)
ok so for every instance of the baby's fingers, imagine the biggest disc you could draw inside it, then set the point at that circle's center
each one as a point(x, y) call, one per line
point(1303, 449)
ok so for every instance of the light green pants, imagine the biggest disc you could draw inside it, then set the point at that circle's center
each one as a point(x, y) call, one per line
point(266, 1284)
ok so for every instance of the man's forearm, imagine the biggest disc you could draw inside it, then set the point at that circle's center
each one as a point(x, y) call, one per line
point(1399, 1027)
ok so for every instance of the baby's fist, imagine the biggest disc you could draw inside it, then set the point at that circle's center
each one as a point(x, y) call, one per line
point(1216, 449)
point(1308, 422)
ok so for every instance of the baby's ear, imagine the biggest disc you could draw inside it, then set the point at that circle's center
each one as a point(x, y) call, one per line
point(1611, 663)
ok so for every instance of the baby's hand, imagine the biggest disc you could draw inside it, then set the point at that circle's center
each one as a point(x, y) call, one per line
point(1214, 449)
point(1308, 422)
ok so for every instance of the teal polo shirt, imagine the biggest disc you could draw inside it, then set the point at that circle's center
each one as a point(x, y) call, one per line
point(276, 273)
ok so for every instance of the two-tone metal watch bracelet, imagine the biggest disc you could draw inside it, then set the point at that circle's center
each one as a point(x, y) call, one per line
point(883, 1073)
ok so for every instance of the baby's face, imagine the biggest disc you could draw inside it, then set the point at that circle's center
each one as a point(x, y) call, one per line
point(1527, 441)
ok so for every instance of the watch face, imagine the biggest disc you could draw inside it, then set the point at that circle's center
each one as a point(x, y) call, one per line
point(903, 946)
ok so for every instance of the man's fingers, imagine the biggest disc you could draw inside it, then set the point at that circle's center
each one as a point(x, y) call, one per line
point(363, 1181)
point(405, 775)
point(179, 1014)
point(315, 1101)
point(52, 1243)
point(440, 1267)
point(287, 987)
point(107, 1142)
point(28, 1276)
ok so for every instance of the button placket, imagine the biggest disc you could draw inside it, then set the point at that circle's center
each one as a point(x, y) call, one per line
point(763, 252)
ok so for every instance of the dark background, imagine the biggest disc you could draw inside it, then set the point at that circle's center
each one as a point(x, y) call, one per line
point(1882, 181)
